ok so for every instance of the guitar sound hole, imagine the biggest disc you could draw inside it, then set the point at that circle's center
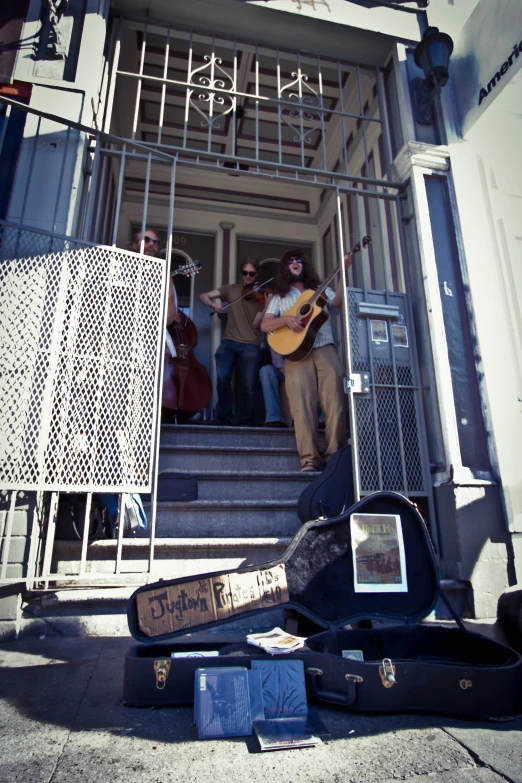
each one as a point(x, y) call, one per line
point(304, 310)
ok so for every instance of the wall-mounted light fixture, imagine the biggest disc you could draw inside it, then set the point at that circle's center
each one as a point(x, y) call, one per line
point(432, 55)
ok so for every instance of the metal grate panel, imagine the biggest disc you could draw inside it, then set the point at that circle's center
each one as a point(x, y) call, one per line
point(390, 451)
point(80, 341)
point(388, 435)
point(367, 445)
point(410, 435)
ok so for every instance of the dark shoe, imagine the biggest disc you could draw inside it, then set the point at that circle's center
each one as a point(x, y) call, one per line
point(282, 425)
point(309, 467)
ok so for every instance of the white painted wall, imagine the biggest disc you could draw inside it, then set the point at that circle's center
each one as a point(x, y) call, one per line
point(49, 175)
point(382, 20)
point(490, 43)
point(487, 170)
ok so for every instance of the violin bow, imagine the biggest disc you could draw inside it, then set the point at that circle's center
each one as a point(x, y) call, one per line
point(256, 287)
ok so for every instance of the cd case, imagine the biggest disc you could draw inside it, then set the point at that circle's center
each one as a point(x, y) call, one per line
point(284, 688)
point(222, 702)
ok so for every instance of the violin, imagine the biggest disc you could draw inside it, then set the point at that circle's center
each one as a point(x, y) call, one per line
point(255, 293)
point(251, 292)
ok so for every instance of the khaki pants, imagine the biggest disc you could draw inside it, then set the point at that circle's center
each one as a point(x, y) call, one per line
point(317, 379)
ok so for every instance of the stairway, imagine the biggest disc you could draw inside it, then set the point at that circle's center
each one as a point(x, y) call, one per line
point(246, 513)
point(249, 482)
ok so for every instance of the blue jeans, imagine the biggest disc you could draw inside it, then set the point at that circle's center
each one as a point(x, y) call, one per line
point(270, 378)
point(246, 356)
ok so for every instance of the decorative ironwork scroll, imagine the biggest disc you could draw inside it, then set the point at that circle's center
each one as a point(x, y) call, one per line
point(304, 111)
point(216, 77)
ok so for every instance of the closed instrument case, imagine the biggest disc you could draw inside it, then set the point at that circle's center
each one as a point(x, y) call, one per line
point(407, 665)
point(332, 492)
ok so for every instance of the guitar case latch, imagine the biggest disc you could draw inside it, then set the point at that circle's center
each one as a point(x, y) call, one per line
point(161, 670)
point(387, 673)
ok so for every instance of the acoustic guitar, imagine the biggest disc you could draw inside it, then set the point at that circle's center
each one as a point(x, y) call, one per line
point(309, 309)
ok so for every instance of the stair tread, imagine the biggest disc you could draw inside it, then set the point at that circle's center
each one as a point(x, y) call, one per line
point(195, 504)
point(221, 428)
point(243, 474)
point(165, 542)
point(205, 449)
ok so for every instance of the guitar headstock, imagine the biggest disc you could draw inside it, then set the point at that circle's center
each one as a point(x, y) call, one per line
point(189, 270)
point(366, 240)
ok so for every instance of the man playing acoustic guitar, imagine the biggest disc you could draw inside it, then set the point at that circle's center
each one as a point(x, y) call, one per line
point(318, 377)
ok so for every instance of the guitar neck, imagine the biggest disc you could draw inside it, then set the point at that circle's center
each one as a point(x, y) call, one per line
point(323, 286)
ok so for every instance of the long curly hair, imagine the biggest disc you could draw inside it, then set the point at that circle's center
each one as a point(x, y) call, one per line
point(283, 279)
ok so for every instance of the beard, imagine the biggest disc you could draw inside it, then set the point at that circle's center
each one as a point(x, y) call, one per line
point(299, 277)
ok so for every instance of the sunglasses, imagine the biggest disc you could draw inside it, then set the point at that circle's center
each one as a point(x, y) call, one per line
point(249, 274)
point(154, 241)
point(296, 260)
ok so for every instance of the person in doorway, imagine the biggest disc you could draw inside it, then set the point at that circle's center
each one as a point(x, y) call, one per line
point(152, 248)
point(271, 376)
point(240, 345)
point(317, 379)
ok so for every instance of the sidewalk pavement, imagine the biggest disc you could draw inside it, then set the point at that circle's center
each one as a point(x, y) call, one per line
point(62, 720)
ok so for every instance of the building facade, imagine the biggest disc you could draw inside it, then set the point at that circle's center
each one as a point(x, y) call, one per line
point(237, 128)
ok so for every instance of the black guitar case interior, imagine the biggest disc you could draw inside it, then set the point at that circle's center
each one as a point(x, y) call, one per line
point(330, 493)
point(407, 666)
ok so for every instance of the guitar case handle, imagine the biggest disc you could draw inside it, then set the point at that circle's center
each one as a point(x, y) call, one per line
point(317, 694)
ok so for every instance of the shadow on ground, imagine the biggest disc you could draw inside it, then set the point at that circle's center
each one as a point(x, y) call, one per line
point(77, 683)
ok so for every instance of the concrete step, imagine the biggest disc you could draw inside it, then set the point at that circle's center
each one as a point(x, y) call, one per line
point(249, 458)
point(249, 485)
point(207, 518)
point(201, 435)
point(173, 558)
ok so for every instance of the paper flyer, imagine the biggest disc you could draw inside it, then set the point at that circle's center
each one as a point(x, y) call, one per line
point(379, 563)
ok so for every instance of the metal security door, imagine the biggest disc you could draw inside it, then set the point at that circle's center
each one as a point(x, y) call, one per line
point(387, 428)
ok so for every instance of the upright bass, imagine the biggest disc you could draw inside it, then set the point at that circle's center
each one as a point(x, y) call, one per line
point(187, 387)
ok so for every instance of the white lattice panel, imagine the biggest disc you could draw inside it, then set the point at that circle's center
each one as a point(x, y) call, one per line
point(80, 340)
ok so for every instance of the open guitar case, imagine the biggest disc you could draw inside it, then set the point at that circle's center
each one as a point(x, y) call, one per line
point(408, 665)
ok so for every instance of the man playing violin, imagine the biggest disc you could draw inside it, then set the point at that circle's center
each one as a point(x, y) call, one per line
point(240, 345)
point(317, 379)
point(151, 247)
